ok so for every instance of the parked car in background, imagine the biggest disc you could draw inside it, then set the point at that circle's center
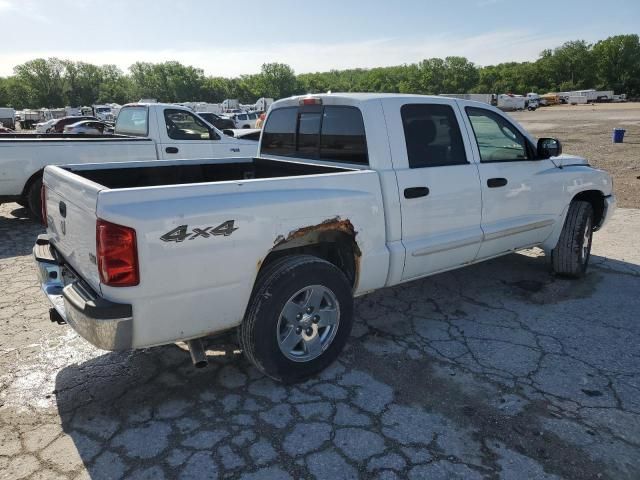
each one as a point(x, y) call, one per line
point(89, 127)
point(5, 130)
point(58, 125)
point(44, 127)
point(244, 119)
point(350, 193)
point(221, 123)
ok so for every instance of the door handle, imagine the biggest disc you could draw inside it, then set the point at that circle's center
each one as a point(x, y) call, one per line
point(416, 192)
point(496, 182)
point(171, 150)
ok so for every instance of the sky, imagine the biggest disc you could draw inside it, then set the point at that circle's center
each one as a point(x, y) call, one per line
point(230, 38)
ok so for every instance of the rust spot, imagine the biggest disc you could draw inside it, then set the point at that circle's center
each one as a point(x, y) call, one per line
point(311, 234)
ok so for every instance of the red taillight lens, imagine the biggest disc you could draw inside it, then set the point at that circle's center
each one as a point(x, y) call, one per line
point(43, 205)
point(117, 254)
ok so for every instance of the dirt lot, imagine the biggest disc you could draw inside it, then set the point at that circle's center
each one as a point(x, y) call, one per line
point(586, 130)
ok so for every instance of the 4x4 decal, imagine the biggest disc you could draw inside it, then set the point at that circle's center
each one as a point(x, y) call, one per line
point(182, 233)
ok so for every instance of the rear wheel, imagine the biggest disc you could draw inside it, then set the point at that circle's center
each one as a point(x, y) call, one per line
point(571, 256)
point(34, 201)
point(299, 318)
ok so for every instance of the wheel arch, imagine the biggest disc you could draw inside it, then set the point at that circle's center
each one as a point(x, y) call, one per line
point(33, 178)
point(596, 199)
point(333, 240)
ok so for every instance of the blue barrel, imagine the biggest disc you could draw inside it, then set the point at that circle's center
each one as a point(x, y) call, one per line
point(618, 135)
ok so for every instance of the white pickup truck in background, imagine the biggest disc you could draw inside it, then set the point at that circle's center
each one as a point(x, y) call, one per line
point(143, 132)
point(350, 193)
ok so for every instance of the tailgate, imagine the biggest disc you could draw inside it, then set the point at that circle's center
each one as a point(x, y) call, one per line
point(71, 217)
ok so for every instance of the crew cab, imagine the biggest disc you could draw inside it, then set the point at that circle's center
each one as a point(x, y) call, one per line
point(350, 193)
point(143, 132)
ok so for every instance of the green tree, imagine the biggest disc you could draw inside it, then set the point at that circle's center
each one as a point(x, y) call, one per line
point(617, 62)
point(44, 80)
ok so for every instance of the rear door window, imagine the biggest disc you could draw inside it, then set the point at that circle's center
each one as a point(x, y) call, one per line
point(432, 135)
point(334, 133)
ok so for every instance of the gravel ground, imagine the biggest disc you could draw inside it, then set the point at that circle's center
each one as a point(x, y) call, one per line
point(499, 370)
point(586, 130)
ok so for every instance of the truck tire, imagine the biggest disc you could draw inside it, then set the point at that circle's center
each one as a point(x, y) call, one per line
point(34, 201)
point(571, 255)
point(298, 319)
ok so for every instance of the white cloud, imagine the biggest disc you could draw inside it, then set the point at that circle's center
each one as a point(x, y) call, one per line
point(6, 5)
point(311, 57)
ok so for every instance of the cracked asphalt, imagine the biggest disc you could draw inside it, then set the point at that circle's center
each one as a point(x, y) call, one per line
point(497, 371)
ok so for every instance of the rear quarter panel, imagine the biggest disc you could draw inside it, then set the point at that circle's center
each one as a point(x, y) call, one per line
point(202, 285)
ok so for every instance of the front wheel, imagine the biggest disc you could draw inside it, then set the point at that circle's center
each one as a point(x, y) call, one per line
point(571, 256)
point(299, 318)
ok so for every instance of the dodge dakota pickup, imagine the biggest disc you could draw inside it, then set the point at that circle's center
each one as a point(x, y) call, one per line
point(142, 132)
point(350, 193)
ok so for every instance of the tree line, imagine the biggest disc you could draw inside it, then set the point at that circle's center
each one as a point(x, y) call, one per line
point(610, 64)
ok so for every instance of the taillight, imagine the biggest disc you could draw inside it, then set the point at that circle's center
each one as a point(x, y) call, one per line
point(43, 205)
point(310, 101)
point(117, 254)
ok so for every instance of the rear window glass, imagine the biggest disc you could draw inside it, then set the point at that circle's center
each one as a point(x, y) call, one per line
point(325, 133)
point(343, 138)
point(279, 137)
point(132, 121)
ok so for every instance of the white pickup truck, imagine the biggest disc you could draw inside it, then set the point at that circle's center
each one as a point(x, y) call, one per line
point(350, 193)
point(143, 132)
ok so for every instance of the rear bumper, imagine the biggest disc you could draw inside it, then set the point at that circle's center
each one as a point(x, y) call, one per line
point(102, 323)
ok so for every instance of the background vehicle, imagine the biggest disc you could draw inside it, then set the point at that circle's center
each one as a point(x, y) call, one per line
point(263, 104)
point(58, 125)
point(43, 127)
point(142, 132)
point(488, 98)
point(533, 101)
point(29, 118)
point(221, 123)
point(509, 102)
point(8, 118)
point(89, 127)
point(231, 104)
point(350, 193)
point(102, 112)
point(5, 130)
point(244, 119)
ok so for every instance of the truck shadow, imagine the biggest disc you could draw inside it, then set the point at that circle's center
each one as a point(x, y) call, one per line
point(125, 410)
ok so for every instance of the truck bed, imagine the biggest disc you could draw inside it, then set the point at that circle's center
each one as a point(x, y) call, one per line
point(134, 174)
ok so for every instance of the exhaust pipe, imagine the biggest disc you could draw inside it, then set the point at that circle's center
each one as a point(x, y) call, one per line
point(198, 355)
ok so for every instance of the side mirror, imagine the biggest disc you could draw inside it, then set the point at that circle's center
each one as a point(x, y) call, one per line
point(549, 147)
